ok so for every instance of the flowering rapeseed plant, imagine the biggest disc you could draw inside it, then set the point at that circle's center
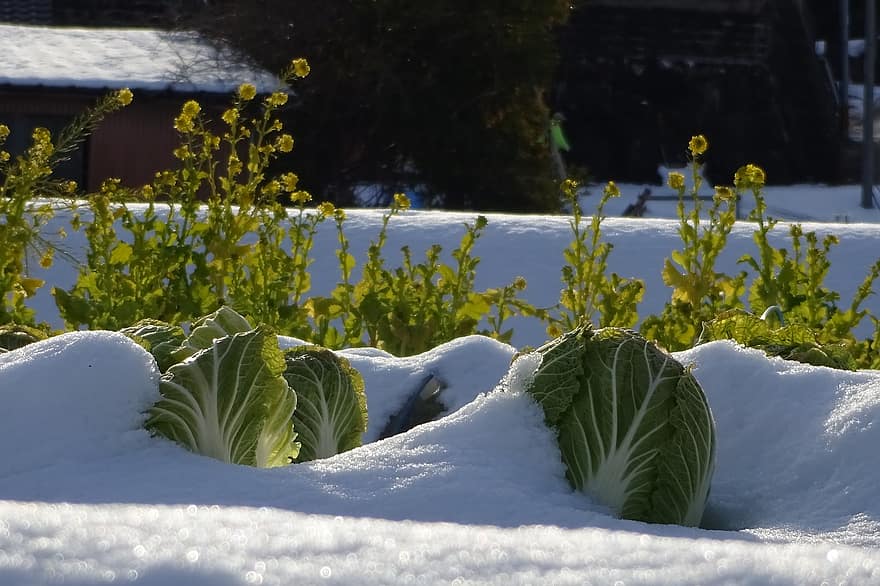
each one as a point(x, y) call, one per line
point(326, 209)
point(724, 193)
point(675, 180)
point(124, 96)
point(749, 177)
point(247, 91)
point(611, 190)
point(401, 201)
point(698, 145)
point(301, 67)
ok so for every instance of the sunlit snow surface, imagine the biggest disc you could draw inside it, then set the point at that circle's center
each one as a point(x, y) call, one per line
point(112, 58)
point(478, 496)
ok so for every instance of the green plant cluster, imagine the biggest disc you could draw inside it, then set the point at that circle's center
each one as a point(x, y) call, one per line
point(215, 231)
point(24, 179)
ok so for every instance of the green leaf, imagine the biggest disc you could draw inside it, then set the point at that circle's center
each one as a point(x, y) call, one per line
point(447, 274)
point(347, 263)
point(15, 336)
point(161, 339)
point(223, 322)
point(474, 309)
point(634, 428)
point(560, 375)
point(230, 402)
point(679, 258)
point(121, 254)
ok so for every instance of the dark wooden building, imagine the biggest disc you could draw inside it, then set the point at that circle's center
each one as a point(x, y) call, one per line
point(51, 74)
point(640, 77)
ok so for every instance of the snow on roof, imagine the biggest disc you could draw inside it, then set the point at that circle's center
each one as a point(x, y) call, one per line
point(111, 58)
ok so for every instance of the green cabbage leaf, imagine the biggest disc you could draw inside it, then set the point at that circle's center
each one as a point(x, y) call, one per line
point(331, 413)
point(230, 402)
point(223, 322)
point(633, 426)
point(159, 338)
point(15, 336)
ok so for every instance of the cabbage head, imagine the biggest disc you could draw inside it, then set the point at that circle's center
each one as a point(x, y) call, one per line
point(633, 425)
point(230, 402)
point(331, 412)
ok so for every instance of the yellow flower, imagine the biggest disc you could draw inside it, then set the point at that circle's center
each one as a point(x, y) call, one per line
point(757, 175)
point(749, 177)
point(554, 331)
point(724, 193)
point(300, 197)
point(46, 259)
point(741, 178)
point(339, 214)
point(4, 156)
point(675, 180)
point(698, 145)
point(289, 181)
point(230, 116)
point(611, 190)
point(124, 96)
point(4, 131)
point(301, 67)
point(285, 143)
point(247, 91)
point(41, 135)
point(42, 142)
point(234, 165)
point(182, 152)
point(271, 188)
point(519, 283)
point(401, 201)
point(277, 99)
point(569, 188)
point(183, 123)
point(191, 108)
point(326, 209)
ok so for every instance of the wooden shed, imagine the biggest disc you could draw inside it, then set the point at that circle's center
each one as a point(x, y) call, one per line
point(49, 75)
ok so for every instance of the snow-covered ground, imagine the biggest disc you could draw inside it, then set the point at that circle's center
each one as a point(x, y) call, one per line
point(477, 497)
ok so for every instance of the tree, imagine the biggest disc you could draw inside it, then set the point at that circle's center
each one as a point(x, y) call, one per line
point(444, 95)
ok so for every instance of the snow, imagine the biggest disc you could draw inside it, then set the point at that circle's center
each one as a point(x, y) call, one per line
point(112, 58)
point(478, 496)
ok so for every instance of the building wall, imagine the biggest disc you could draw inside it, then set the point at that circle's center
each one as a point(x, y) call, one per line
point(134, 143)
point(131, 144)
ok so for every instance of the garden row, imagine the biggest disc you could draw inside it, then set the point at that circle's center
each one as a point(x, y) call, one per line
point(224, 229)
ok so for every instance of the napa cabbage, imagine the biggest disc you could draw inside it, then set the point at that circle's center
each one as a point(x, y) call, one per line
point(160, 339)
point(15, 336)
point(331, 413)
point(230, 402)
point(633, 426)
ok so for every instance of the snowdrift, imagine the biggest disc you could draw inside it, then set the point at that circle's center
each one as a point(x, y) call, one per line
point(478, 496)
